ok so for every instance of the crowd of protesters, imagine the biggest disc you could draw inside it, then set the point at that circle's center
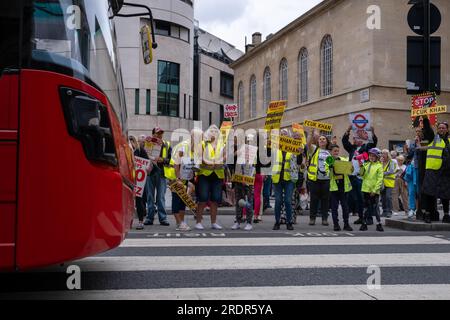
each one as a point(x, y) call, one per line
point(412, 181)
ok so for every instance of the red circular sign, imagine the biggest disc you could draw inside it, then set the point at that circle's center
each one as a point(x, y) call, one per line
point(360, 121)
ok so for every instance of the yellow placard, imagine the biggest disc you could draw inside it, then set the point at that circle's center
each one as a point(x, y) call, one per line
point(298, 128)
point(287, 144)
point(181, 191)
point(275, 115)
point(318, 125)
point(428, 111)
point(238, 178)
point(225, 129)
point(343, 167)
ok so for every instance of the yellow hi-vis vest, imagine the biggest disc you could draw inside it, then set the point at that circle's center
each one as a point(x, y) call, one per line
point(169, 170)
point(313, 168)
point(334, 177)
point(212, 156)
point(279, 164)
point(434, 153)
point(389, 180)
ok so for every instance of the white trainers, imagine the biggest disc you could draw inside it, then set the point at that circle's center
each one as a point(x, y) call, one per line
point(236, 226)
point(411, 214)
point(199, 226)
point(215, 226)
point(248, 227)
point(184, 227)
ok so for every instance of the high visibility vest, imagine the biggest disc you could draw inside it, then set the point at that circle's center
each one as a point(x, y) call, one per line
point(169, 170)
point(434, 153)
point(279, 164)
point(212, 156)
point(313, 168)
point(334, 177)
point(389, 180)
point(372, 174)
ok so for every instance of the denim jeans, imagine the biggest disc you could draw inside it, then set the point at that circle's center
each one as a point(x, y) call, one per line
point(412, 196)
point(266, 188)
point(355, 197)
point(283, 193)
point(386, 201)
point(156, 182)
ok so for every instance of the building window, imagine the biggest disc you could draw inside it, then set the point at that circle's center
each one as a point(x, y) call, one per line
point(283, 80)
point(136, 101)
point(210, 119)
point(210, 84)
point(253, 97)
point(226, 85)
point(169, 29)
point(168, 88)
point(327, 65)
point(241, 101)
point(162, 28)
point(267, 88)
point(189, 2)
point(303, 75)
point(147, 102)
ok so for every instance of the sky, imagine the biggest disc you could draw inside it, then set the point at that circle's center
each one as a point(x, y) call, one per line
point(233, 20)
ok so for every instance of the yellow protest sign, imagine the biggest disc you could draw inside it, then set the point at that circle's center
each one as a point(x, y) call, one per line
point(343, 167)
point(238, 178)
point(275, 115)
point(181, 191)
point(225, 129)
point(298, 128)
point(318, 125)
point(287, 144)
point(428, 111)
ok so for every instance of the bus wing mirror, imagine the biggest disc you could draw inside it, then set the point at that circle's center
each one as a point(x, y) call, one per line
point(146, 44)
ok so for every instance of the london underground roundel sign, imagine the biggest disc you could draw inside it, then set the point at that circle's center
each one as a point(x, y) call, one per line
point(360, 121)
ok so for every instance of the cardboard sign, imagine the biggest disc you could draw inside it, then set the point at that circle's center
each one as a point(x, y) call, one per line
point(231, 111)
point(225, 129)
point(318, 125)
point(361, 126)
point(153, 147)
point(287, 144)
point(423, 101)
point(141, 166)
point(181, 190)
point(298, 128)
point(275, 115)
point(343, 167)
point(238, 178)
point(428, 111)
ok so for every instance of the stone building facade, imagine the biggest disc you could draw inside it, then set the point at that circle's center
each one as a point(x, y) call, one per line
point(333, 61)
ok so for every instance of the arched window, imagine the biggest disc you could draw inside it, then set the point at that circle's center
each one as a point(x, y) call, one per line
point(253, 97)
point(241, 101)
point(267, 88)
point(283, 80)
point(327, 65)
point(303, 75)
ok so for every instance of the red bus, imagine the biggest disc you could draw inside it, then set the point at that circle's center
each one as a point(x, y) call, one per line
point(66, 168)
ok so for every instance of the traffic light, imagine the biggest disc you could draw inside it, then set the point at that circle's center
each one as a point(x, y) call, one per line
point(423, 51)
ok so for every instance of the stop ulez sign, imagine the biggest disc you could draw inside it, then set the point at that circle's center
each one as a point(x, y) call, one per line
point(428, 111)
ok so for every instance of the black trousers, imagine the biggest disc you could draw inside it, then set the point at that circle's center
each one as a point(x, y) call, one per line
point(141, 206)
point(372, 206)
point(337, 198)
point(320, 194)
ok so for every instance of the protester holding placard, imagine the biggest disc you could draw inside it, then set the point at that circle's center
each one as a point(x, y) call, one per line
point(140, 201)
point(318, 176)
point(340, 186)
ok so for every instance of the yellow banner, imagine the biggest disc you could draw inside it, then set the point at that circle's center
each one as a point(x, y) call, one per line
point(298, 128)
point(275, 115)
point(181, 191)
point(343, 167)
point(243, 179)
point(318, 125)
point(287, 144)
point(428, 111)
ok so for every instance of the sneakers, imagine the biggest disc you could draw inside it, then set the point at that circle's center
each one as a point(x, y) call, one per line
point(148, 222)
point(348, 228)
point(248, 227)
point(411, 214)
point(363, 227)
point(199, 226)
point(183, 227)
point(380, 228)
point(140, 226)
point(236, 226)
point(276, 226)
point(446, 218)
point(289, 226)
point(337, 227)
point(325, 222)
point(164, 223)
point(312, 221)
point(215, 226)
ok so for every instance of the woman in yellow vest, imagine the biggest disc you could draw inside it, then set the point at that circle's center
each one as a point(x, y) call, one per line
point(284, 178)
point(437, 176)
point(318, 177)
point(210, 177)
point(372, 175)
point(389, 169)
point(340, 187)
